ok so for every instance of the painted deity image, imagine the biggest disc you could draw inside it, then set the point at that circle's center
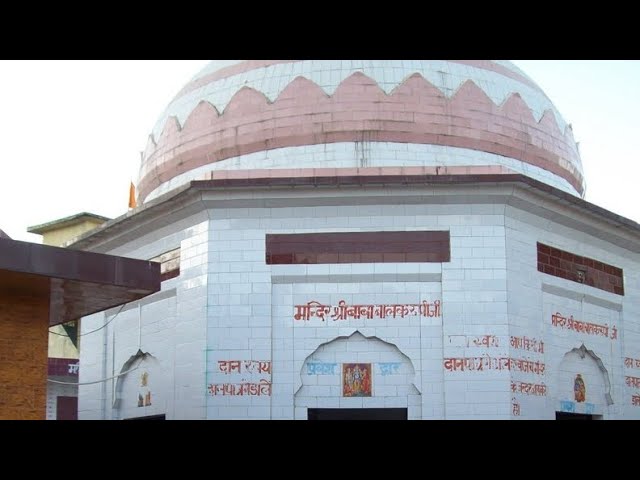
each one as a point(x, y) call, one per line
point(356, 379)
point(579, 389)
point(144, 400)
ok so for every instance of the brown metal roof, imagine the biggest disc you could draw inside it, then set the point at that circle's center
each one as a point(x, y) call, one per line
point(78, 283)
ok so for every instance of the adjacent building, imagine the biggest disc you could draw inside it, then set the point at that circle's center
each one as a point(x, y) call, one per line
point(41, 287)
point(64, 341)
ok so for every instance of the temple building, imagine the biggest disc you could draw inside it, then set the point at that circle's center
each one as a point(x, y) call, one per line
point(367, 239)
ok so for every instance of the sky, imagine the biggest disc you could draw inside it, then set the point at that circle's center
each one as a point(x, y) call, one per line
point(71, 132)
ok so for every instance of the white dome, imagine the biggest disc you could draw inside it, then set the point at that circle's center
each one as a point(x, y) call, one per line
point(258, 114)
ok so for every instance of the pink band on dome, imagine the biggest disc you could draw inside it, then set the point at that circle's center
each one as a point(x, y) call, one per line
point(227, 72)
point(359, 111)
point(248, 65)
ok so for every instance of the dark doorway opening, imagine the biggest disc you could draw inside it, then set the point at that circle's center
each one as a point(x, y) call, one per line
point(357, 414)
point(150, 417)
point(573, 416)
point(67, 408)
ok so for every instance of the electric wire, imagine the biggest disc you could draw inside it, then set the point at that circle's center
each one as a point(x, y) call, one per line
point(96, 381)
point(97, 329)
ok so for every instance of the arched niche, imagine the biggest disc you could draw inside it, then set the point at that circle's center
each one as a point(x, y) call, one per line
point(358, 372)
point(139, 389)
point(582, 383)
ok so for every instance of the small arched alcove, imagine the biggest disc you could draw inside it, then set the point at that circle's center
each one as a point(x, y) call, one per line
point(582, 384)
point(358, 372)
point(139, 390)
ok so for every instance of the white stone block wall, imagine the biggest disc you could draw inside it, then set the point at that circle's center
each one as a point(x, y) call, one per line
point(361, 340)
point(475, 276)
point(92, 396)
point(228, 305)
point(534, 297)
point(169, 325)
point(475, 311)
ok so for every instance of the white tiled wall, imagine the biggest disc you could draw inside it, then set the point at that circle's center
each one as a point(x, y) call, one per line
point(392, 339)
point(534, 297)
point(228, 305)
point(241, 308)
point(169, 325)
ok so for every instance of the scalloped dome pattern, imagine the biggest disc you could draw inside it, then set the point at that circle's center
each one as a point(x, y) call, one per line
point(234, 108)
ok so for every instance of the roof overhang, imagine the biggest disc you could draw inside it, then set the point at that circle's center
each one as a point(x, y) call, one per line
point(66, 222)
point(78, 283)
point(512, 189)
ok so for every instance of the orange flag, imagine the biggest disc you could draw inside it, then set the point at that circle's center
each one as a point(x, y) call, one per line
point(132, 196)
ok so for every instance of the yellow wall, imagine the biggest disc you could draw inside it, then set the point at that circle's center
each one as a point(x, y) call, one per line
point(60, 235)
point(61, 346)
